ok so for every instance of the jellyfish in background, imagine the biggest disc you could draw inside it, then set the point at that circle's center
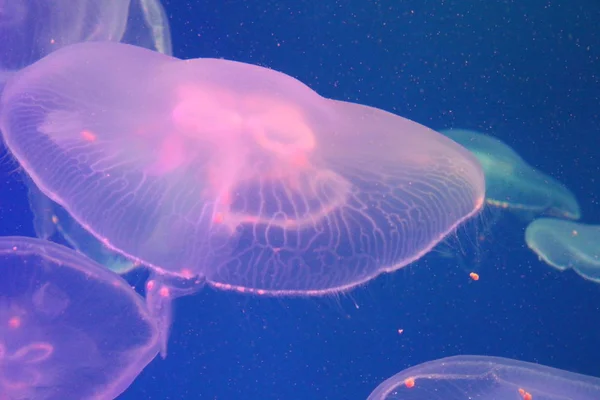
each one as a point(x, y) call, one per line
point(566, 244)
point(513, 184)
point(52, 222)
point(481, 377)
point(69, 328)
point(233, 173)
point(148, 26)
point(32, 29)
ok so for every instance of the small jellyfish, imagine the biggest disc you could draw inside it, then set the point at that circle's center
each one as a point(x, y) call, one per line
point(52, 222)
point(69, 328)
point(234, 173)
point(566, 245)
point(513, 184)
point(482, 377)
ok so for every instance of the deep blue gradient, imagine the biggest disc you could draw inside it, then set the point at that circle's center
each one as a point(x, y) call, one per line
point(528, 72)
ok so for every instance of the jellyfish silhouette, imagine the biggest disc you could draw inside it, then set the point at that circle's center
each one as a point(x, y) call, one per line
point(481, 377)
point(231, 172)
point(69, 328)
point(512, 183)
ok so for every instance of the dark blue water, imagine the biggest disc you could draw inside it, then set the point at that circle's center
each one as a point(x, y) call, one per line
point(527, 72)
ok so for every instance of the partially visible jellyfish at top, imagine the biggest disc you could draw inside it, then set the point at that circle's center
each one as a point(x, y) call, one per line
point(69, 328)
point(148, 26)
point(482, 377)
point(233, 173)
point(513, 184)
point(32, 29)
point(566, 245)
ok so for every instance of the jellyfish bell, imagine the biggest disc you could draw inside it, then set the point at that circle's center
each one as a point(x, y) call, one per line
point(69, 328)
point(484, 377)
point(281, 192)
point(566, 245)
point(512, 183)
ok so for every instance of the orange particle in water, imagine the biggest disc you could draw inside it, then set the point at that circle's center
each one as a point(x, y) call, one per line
point(525, 395)
point(474, 276)
point(409, 383)
point(400, 331)
point(88, 136)
point(14, 322)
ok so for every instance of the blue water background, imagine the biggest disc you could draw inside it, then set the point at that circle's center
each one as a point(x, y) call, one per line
point(526, 71)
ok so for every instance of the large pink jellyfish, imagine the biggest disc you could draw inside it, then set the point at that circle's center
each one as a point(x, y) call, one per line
point(231, 172)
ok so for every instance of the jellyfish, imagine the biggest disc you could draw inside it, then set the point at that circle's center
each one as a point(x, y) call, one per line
point(234, 173)
point(69, 328)
point(59, 23)
point(148, 26)
point(566, 245)
point(52, 222)
point(482, 377)
point(513, 184)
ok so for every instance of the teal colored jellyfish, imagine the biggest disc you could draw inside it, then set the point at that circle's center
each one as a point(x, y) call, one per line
point(566, 245)
point(513, 184)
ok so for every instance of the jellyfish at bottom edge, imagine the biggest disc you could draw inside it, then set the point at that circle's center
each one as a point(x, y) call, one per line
point(69, 328)
point(483, 377)
point(513, 184)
